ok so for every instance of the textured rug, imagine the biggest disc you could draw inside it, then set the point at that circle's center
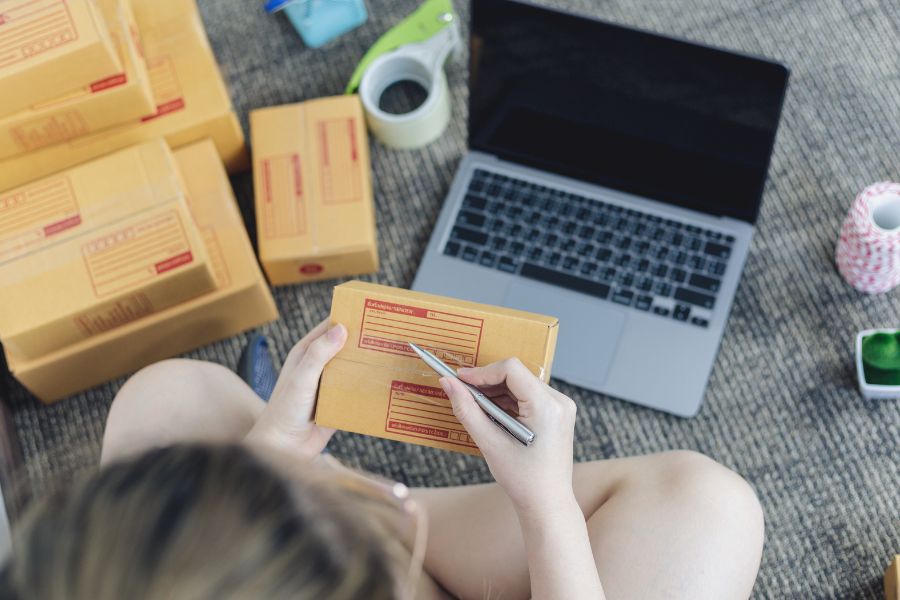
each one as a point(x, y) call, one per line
point(781, 408)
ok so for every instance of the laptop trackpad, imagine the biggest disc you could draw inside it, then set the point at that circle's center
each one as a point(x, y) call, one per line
point(588, 331)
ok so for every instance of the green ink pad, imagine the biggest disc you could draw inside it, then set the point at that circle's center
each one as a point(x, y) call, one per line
point(881, 358)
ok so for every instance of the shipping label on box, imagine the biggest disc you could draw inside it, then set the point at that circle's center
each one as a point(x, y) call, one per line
point(378, 386)
point(117, 98)
point(314, 209)
point(95, 247)
point(241, 299)
point(49, 48)
point(191, 101)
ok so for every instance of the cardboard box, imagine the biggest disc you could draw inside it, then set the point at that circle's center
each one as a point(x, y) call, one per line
point(94, 247)
point(117, 98)
point(240, 301)
point(49, 48)
point(191, 100)
point(315, 216)
point(892, 580)
point(378, 386)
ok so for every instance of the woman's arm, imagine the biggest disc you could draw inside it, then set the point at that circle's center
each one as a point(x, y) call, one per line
point(537, 479)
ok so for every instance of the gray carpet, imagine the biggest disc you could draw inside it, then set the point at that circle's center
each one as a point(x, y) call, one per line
point(781, 408)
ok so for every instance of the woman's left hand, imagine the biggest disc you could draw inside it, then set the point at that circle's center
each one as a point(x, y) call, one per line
point(286, 421)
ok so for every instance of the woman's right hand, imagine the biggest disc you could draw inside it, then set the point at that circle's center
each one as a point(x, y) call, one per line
point(537, 478)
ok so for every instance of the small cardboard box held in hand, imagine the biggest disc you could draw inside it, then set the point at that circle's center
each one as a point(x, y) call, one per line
point(315, 217)
point(96, 246)
point(241, 299)
point(378, 386)
point(49, 48)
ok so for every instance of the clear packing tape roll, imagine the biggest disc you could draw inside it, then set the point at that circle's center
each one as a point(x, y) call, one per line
point(415, 50)
point(868, 249)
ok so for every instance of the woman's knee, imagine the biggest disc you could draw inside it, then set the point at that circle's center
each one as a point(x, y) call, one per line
point(177, 400)
point(718, 496)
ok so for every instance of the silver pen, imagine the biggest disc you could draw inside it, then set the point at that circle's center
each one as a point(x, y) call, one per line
point(496, 414)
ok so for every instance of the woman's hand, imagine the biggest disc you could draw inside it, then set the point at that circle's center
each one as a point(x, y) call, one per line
point(537, 478)
point(286, 421)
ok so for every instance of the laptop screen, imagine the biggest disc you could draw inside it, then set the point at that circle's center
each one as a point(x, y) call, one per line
point(657, 117)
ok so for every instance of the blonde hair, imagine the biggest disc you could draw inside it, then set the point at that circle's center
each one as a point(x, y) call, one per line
point(197, 522)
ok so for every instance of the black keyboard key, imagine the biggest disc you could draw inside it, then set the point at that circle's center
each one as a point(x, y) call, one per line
point(535, 253)
point(570, 227)
point(715, 268)
point(642, 247)
point(487, 259)
point(643, 302)
point(608, 274)
point(627, 279)
point(498, 242)
point(704, 283)
point(623, 297)
point(604, 237)
point(475, 202)
point(697, 262)
point(469, 254)
point(643, 265)
point(533, 218)
point(681, 312)
point(680, 258)
point(661, 253)
point(645, 284)
point(586, 249)
point(622, 260)
point(516, 230)
point(468, 235)
point(507, 264)
point(662, 289)
point(588, 269)
point(694, 243)
point(729, 239)
point(678, 275)
point(660, 271)
point(570, 263)
point(451, 249)
point(572, 282)
point(717, 250)
point(692, 297)
point(554, 259)
point(699, 322)
point(516, 248)
point(569, 245)
point(661, 311)
point(677, 239)
point(586, 232)
point(603, 254)
point(551, 240)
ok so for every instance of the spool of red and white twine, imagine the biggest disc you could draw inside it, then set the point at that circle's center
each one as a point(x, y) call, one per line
point(868, 251)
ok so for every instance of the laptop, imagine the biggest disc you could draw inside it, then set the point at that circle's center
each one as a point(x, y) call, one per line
point(613, 180)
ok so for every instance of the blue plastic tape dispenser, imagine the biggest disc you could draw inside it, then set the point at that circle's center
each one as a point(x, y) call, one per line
point(319, 21)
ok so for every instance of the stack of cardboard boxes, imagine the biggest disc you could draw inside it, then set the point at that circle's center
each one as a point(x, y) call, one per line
point(107, 236)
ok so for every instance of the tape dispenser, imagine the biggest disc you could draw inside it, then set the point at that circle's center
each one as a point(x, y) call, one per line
point(413, 50)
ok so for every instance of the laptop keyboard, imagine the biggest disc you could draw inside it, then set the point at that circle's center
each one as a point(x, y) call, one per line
point(622, 255)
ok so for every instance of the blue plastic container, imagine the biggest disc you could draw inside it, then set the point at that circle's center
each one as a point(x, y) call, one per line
point(319, 21)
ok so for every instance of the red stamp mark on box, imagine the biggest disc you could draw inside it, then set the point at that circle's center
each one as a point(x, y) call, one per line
point(339, 161)
point(35, 212)
point(115, 314)
point(283, 207)
point(388, 327)
point(165, 86)
point(424, 412)
point(133, 255)
point(32, 27)
point(109, 82)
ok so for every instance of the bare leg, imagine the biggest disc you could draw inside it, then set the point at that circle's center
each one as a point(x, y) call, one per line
point(175, 401)
point(672, 525)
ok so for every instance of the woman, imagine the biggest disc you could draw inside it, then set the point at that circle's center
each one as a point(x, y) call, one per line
point(206, 492)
